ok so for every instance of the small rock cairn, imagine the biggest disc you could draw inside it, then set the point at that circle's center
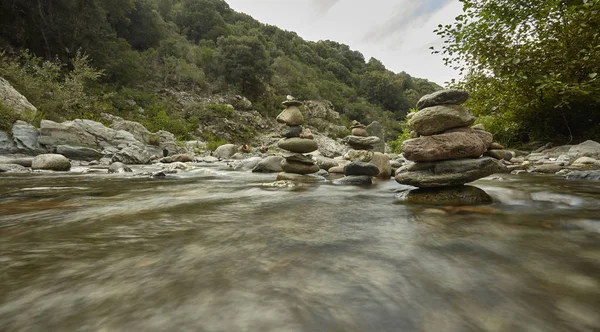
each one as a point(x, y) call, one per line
point(446, 152)
point(297, 141)
point(360, 170)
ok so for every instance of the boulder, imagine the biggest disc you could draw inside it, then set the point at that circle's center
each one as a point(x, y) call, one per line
point(496, 154)
point(133, 154)
point(78, 153)
point(271, 164)
point(383, 164)
point(448, 173)
point(547, 168)
point(298, 157)
point(443, 97)
point(359, 155)
point(584, 175)
point(23, 161)
point(136, 129)
point(377, 130)
point(13, 168)
point(329, 147)
point(298, 145)
point(7, 145)
point(360, 168)
point(586, 149)
point(51, 162)
point(15, 100)
point(354, 180)
point(453, 145)
point(119, 167)
point(247, 164)
point(25, 137)
point(585, 161)
point(225, 151)
point(326, 163)
point(486, 137)
point(183, 158)
point(436, 119)
point(289, 166)
point(448, 196)
point(291, 116)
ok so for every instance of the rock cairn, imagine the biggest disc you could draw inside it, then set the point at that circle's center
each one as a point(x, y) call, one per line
point(297, 141)
point(364, 163)
point(446, 152)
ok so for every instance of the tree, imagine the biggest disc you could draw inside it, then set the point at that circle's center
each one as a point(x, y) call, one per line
point(531, 66)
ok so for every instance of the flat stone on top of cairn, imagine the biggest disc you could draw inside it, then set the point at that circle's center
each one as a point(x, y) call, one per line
point(296, 165)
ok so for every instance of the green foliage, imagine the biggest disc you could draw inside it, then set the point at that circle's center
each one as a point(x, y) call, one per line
point(396, 145)
point(531, 67)
point(213, 141)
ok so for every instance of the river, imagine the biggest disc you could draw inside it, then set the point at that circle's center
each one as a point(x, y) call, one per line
point(217, 250)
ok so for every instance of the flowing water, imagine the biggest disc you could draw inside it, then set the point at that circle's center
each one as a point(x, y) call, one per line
point(217, 250)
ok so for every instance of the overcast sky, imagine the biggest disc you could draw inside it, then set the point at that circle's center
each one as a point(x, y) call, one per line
point(397, 32)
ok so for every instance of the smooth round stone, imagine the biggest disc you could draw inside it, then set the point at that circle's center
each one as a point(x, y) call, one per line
point(362, 132)
point(436, 119)
point(359, 155)
point(448, 173)
point(291, 131)
point(298, 145)
point(289, 103)
point(455, 145)
point(298, 157)
point(51, 162)
point(360, 168)
point(336, 170)
point(361, 141)
point(496, 154)
point(354, 180)
point(271, 164)
point(453, 196)
point(298, 168)
point(443, 97)
point(496, 146)
point(291, 116)
point(311, 178)
point(382, 162)
point(119, 167)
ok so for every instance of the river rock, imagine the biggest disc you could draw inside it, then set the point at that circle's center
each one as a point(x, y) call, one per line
point(326, 163)
point(584, 175)
point(133, 154)
point(354, 180)
point(23, 161)
point(448, 173)
point(443, 97)
point(13, 99)
point(454, 145)
point(271, 164)
point(13, 168)
point(362, 132)
point(336, 170)
point(383, 164)
point(494, 145)
point(329, 147)
point(183, 158)
point(298, 145)
point(298, 157)
point(310, 178)
point(225, 151)
point(7, 145)
point(289, 166)
point(291, 131)
point(51, 162)
point(78, 152)
point(247, 164)
point(486, 137)
point(453, 196)
point(360, 168)
point(135, 128)
point(377, 130)
point(586, 149)
point(436, 119)
point(585, 161)
point(291, 116)
point(119, 167)
point(25, 137)
point(496, 154)
point(547, 168)
point(359, 155)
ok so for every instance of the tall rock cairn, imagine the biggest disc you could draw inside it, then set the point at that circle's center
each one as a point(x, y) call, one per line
point(297, 142)
point(447, 151)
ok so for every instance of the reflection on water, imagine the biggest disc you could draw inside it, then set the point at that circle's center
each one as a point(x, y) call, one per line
point(212, 250)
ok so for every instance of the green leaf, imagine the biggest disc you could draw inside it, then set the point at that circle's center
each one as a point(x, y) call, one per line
point(593, 75)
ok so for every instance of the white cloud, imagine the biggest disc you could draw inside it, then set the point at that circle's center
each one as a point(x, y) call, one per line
point(401, 33)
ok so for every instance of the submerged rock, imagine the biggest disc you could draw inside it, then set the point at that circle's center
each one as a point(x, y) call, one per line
point(355, 180)
point(460, 195)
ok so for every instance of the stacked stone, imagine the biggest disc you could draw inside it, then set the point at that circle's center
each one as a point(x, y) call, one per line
point(446, 152)
point(297, 141)
point(360, 170)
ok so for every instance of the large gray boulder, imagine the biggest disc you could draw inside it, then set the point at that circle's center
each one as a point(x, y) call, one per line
point(454, 145)
point(291, 116)
point(136, 129)
point(51, 162)
point(132, 154)
point(225, 151)
point(15, 100)
point(448, 173)
point(25, 137)
point(7, 145)
point(376, 129)
point(13, 168)
point(588, 148)
point(78, 152)
point(443, 97)
point(436, 119)
point(328, 147)
point(584, 175)
point(271, 164)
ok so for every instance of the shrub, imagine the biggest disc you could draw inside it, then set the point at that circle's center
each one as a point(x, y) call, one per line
point(7, 117)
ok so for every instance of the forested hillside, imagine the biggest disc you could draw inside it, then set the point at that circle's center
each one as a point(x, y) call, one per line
point(80, 58)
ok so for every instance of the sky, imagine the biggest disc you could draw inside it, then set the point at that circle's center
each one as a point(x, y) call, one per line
point(396, 32)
